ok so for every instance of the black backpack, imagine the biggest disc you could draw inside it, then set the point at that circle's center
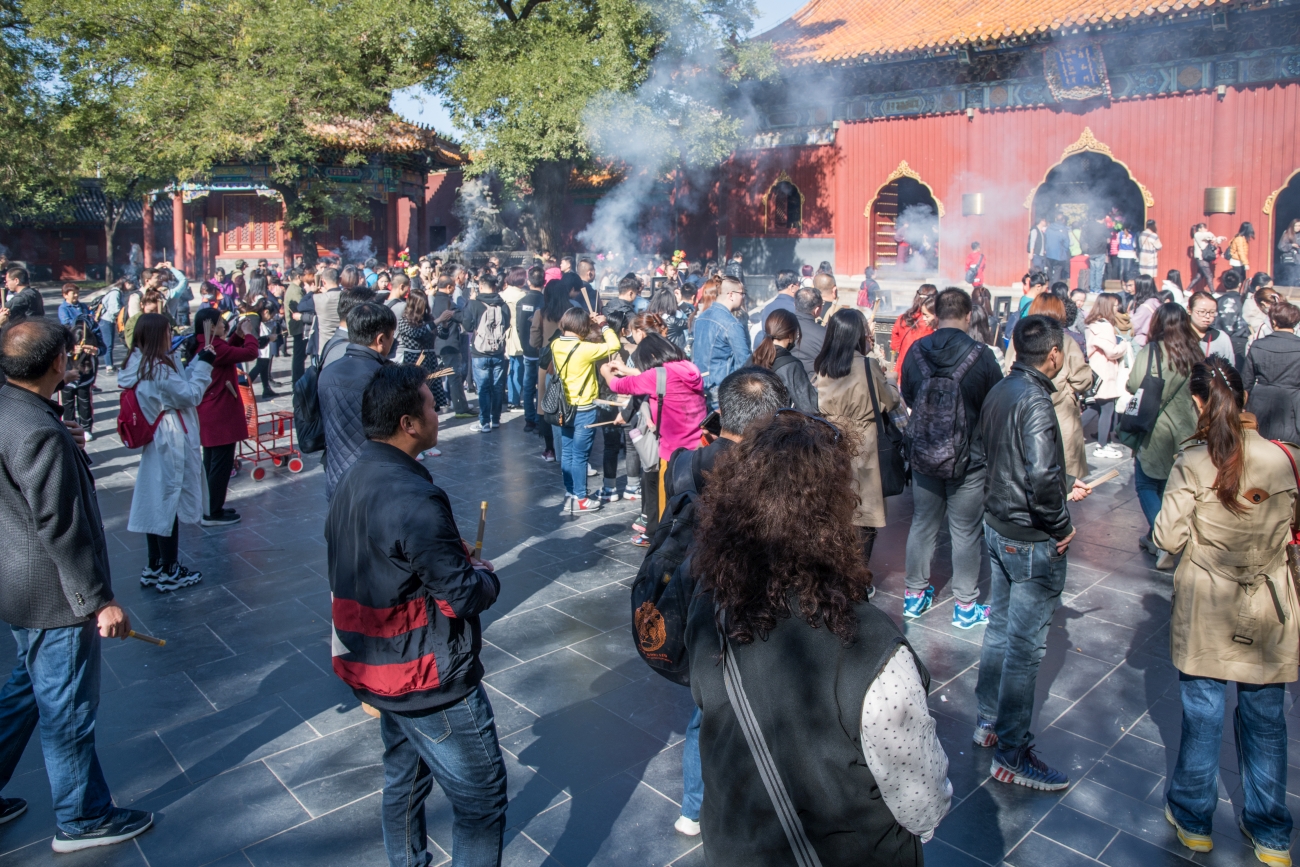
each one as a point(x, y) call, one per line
point(662, 591)
point(937, 433)
point(1232, 323)
point(308, 423)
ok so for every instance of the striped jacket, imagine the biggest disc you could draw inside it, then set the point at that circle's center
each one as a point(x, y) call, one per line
point(406, 601)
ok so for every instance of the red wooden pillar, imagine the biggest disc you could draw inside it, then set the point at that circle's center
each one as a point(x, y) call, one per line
point(420, 246)
point(178, 230)
point(390, 226)
point(146, 213)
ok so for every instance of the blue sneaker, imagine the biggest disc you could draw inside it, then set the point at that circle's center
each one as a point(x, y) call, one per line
point(967, 616)
point(1022, 767)
point(985, 736)
point(915, 604)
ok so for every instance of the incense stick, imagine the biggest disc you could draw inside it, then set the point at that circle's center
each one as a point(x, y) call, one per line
point(482, 524)
point(148, 639)
point(439, 374)
point(1103, 478)
point(601, 424)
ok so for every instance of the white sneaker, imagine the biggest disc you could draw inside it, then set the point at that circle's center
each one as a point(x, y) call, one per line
point(1164, 560)
point(149, 576)
point(177, 578)
point(592, 472)
point(431, 453)
point(689, 827)
point(478, 427)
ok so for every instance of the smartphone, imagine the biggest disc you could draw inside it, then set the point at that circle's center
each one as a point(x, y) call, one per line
point(712, 424)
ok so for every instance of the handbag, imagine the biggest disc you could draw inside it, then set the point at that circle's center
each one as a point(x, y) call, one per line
point(645, 436)
point(973, 271)
point(556, 409)
point(1140, 415)
point(894, 472)
point(1089, 394)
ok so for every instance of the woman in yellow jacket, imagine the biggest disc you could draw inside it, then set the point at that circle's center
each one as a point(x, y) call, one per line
point(575, 361)
point(1229, 507)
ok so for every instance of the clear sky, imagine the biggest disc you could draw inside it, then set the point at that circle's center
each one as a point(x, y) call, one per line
point(416, 105)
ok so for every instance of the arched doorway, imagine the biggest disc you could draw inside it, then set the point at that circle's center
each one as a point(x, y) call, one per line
point(1283, 209)
point(903, 222)
point(782, 207)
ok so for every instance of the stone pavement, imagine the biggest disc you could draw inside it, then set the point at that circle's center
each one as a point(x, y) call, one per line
point(251, 751)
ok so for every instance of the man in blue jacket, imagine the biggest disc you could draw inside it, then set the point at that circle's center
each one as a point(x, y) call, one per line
point(721, 342)
point(407, 593)
point(370, 338)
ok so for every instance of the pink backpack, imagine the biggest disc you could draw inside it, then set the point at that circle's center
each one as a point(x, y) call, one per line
point(134, 429)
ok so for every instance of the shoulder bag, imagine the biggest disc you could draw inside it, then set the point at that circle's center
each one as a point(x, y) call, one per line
point(1140, 415)
point(894, 473)
point(645, 436)
point(556, 409)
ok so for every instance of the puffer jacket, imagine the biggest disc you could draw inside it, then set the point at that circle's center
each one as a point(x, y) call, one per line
point(340, 389)
point(1025, 489)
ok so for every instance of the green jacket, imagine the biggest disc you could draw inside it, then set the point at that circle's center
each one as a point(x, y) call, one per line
point(292, 297)
point(1177, 419)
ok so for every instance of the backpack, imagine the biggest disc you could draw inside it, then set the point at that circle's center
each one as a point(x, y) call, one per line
point(490, 334)
point(662, 589)
point(308, 423)
point(937, 434)
point(974, 270)
point(133, 428)
point(1232, 323)
point(1210, 252)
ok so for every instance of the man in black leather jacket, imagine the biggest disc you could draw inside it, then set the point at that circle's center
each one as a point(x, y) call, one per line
point(1027, 527)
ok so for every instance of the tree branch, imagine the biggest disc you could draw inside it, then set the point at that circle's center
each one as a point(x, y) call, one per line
point(529, 7)
point(508, 9)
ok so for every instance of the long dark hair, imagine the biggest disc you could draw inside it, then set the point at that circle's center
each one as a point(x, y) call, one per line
point(655, 351)
point(1171, 327)
point(784, 553)
point(1218, 385)
point(1175, 276)
point(555, 300)
point(927, 292)
point(780, 325)
point(1247, 231)
point(1144, 288)
point(846, 333)
point(153, 340)
point(663, 303)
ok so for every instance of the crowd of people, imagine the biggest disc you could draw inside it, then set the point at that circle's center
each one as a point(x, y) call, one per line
point(784, 426)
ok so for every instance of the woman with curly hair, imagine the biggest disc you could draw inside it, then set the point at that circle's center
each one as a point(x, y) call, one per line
point(837, 694)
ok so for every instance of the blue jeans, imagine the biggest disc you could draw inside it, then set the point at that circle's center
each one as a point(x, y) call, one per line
point(515, 383)
point(1026, 583)
point(1259, 726)
point(692, 769)
point(1097, 273)
point(56, 684)
point(575, 447)
point(1150, 492)
point(457, 747)
point(107, 332)
point(490, 381)
point(529, 392)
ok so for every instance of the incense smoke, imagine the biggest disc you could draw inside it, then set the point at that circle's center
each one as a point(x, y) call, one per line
point(356, 251)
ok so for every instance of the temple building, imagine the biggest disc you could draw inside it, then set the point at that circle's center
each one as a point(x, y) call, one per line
point(901, 133)
point(408, 180)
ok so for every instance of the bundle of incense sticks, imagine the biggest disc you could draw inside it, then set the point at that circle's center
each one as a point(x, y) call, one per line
point(439, 374)
point(1103, 478)
point(482, 524)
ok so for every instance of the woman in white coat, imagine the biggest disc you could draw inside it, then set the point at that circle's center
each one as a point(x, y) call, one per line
point(1105, 352)
point(170, 486)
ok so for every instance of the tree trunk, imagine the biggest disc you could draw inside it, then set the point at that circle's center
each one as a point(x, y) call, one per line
point(110, 229)
point(305, 236)
point(550, 185)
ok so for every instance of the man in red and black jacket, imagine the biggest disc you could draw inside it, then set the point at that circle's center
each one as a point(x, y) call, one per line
point(407, 595)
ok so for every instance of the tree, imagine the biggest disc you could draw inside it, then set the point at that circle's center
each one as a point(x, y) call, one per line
point(523, 77)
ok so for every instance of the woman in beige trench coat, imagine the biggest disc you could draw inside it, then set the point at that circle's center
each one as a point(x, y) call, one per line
point(1229, 507)
point(843, 397)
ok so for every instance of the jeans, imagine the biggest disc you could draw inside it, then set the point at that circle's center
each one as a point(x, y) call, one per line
point(55, 684)
point(1027, 580)
point(529, 390)
point(692, 768)
point(457, 747)
point(1097, 273)
point(1150, 492)
point(575, 447)
point(79, 405)
point(456, 382)
point(107, 333)
point(1259, 727)
point(515, 384)
point(217, 464)
point(490, 380)
point(962, 504)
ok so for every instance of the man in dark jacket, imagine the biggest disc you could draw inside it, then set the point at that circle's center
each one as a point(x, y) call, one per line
point(959, 497)
point(807, 302)
point(370, 337)
point(1094, 241)
point(24, 301)
point(407, 595)
point(1027, 526)
point(487, 316)
point(525, 308)
point(55, 594)
point(448, 331)
point(629, 290)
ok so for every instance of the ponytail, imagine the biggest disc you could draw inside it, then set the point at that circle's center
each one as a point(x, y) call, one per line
point(780, 324)
point(765, 353)
point(1219, 387)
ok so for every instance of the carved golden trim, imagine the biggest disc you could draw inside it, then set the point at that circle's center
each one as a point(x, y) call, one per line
point(1089, 143)
point(903, 171)
point(1269, 204)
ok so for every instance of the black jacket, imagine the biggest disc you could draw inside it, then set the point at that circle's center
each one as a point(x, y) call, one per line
point(55, 569)
point(1094, 239)
point(473, 314)
point(406, 601)
point(944, 350)
point(447, 333)
point(1271, 374)
point(524, 309)
point(788, 369)
point(24, 304)
point(341, 385)
point(810, 341)
point(1026, 485)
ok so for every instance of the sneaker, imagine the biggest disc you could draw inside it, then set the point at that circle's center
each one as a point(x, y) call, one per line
point(1164, 560)
point(641, 540)
point(149, 575)
point(496, 424)
point(917, 603)
point(1024, 768)
point(871, 592)
point(549, 456)
point(689, 827)
point(638, 526)
point(592, 472)
point(121, 825)
point(177, 578)
point(466, 414)
point(609, 495)
point(968, 616)
point(479, 427)
point(586, 504)
point(1146, 544)
point(530, 427)
point(229, 512)
point(1195, 842)
point(219, 520)
point(513, 407)
point(632, 493)
point(1272, 857)
point(11, 808)
point(984, 736)
point(431, 453)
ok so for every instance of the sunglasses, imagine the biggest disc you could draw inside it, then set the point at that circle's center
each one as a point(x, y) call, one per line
point(834, 429)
